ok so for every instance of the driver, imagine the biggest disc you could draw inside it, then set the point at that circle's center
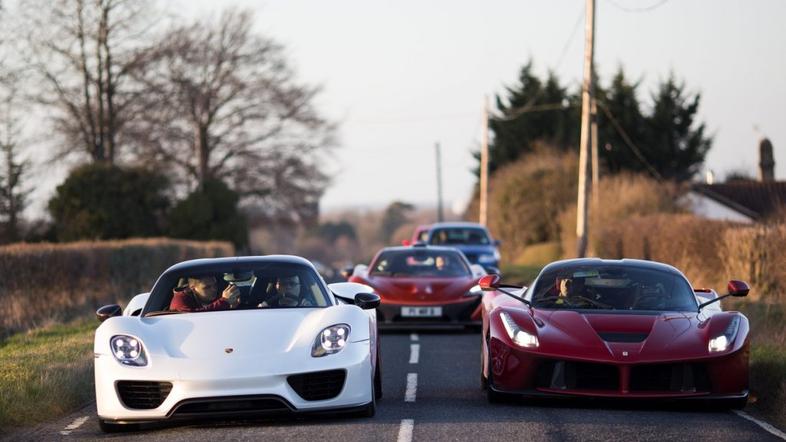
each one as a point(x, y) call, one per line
point(287, 293)
point(570, 291)
point(201, 294)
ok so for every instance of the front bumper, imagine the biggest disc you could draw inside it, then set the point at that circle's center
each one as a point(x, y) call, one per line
point(205, 387)
point(466, 312)
point(528, 373)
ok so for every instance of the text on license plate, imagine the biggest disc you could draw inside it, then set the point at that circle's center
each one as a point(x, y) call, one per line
point(421, 312)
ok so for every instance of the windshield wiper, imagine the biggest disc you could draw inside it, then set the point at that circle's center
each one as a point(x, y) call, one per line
point(163, 312)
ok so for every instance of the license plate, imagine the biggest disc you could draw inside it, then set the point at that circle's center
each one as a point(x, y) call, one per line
point(421, 312)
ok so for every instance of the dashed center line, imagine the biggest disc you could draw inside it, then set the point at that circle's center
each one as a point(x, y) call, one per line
point(74, 425)
point(414, 337)
point(405, 431)
point(412, 387)
point(414, 353)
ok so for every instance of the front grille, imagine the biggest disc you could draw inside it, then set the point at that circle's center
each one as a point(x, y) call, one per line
point(237, 404)
point(318, 385)
point(567, 375)
point(670, 377)
point(143, 395)
point(623, 337)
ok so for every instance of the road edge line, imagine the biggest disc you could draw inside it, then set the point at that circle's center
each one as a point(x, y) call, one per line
point(764, 425)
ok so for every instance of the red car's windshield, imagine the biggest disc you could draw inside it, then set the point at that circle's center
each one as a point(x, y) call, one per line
point(417, 263)
point(613, 288)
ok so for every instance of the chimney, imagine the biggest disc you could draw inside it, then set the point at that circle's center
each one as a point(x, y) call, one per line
point(766, 161)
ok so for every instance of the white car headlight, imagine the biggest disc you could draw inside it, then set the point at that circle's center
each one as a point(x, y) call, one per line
point(474, 291)
point(486, 259)
point(330, 340)
point(721, 343)
point(519, 336)
point(128, 350)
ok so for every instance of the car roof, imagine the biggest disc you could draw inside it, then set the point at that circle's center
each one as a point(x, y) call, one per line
point(209, 263)
point(421, 246)
point(625, 262)
point(458, 224)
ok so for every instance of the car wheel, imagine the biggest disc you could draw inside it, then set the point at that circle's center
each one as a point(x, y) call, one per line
point(378, 380)
point(109, 427)
point(493, 397)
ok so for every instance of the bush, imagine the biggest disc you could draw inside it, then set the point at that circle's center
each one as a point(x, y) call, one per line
point(209, 213)
point(101, 201)
point(50, 283)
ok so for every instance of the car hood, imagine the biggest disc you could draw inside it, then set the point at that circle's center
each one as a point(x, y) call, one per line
point(621, 337)
point(473, 248)
point(398, 290)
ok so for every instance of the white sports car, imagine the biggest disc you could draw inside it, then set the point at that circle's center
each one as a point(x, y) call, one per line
point(235, 336)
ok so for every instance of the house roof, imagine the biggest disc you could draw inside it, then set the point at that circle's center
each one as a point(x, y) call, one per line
point(755, 199)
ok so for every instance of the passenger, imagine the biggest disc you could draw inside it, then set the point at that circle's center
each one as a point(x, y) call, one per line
point(287, 293)
point(201, 294)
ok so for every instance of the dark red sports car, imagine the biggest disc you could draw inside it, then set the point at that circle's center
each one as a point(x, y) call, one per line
point(613, 328)
point(423, 286)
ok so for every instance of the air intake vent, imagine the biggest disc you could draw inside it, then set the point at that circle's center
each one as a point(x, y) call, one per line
point(143, 395)
point(670, 377)
point(568, 375)
point(318, 385)
point(623, 337)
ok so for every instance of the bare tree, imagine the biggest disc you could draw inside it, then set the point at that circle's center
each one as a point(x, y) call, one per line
point(85, 52)
point(222, 104)
point(13, 170)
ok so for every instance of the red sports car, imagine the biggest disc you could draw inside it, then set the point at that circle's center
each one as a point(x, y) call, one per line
point(423, 286)
point(616, 329)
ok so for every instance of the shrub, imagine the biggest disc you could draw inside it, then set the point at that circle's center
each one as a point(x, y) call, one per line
point(101, 201)
point(209, 213)
point(49, 283)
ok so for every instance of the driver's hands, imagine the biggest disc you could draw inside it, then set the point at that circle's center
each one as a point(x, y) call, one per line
point(232, 295)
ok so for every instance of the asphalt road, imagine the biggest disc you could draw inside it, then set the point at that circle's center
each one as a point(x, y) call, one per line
point(432, 392)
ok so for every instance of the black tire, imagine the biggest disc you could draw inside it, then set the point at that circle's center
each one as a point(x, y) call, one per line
point(378, 380)
point(110, 427)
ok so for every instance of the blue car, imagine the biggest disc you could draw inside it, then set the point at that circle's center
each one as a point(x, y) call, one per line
point(471, 238)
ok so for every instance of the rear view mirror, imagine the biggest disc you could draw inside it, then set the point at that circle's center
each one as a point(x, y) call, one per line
point(489, 282)
point(405, 242)
point(738, 288)
point(367, 301)
point(108, 311)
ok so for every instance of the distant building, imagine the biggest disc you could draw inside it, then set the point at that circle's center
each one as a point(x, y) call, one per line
point(744, 201)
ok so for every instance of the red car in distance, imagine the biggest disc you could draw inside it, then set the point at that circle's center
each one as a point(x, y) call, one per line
point(423, 286)
point(613, 329)
point(420, 235)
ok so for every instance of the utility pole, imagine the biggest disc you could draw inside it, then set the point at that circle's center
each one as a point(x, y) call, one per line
point(440, 214)
point(586, 96)
point(484, 164)
point(594, 190)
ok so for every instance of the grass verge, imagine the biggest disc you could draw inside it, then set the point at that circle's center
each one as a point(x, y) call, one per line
point(768, 383)
point(45, 373)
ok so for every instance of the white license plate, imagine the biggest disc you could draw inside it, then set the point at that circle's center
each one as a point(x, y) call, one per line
point(421, 312)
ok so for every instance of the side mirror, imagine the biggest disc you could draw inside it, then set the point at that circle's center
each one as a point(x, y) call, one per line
point(405, 242)
point(108, 311)
point(347, 271)
point(367, 301)
point(497, 243)
point(489, 282)
point(738, 288)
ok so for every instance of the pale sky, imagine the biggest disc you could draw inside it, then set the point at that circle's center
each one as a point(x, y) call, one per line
point(401, 75)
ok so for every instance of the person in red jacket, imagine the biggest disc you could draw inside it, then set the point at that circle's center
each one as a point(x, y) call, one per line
point(201, 295)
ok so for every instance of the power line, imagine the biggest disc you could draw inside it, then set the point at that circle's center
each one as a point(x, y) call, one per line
point(629, 142)
point(644, 9)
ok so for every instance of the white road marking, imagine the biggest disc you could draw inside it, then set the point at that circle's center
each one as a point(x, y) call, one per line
point(414, 337)
point(764, 425)
point(414, 353)
point(74, 425)
point(412, 387)
point(405, 431)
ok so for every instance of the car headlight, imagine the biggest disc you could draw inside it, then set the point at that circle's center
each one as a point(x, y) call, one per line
point(517, 334)
point(128, 350)
point(487, 259)
point(474, 291)
point(721, 343)
point(330, 340)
